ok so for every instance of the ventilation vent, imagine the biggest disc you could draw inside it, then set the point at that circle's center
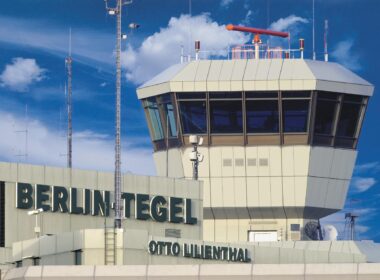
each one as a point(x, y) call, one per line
point(239, 162)
point(171, 232)
point(251, 162)
point(227, 162)
point(263, 162)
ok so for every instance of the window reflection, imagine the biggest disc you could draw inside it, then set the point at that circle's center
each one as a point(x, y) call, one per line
point(193, 117)
point(295, 115)
point(168, 110)
point(226, 116)
point(154, 118)
point(348, 119)
point(262, 116)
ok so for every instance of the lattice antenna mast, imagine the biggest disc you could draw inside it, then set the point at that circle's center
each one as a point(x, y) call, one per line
point(69, 62)
point(117, 11)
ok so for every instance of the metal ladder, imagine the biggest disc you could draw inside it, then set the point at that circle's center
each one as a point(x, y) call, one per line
point(109, 246)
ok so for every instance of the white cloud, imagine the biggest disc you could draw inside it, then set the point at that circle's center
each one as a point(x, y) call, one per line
point(162, 49)
point(248, 18)
point(21, 74)
point(54, 39)
point(344, 54)
point(367, 167)
point(226, 3)
point(90, 149)
point(290, 23)
point(362, 184)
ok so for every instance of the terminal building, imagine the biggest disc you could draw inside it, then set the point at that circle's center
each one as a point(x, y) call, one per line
point(276, 144)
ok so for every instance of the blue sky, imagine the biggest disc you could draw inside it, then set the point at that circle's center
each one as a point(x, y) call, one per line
point(34, 42)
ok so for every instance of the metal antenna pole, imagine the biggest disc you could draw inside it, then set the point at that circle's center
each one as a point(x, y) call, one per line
point(117, 132)
point(69, 61)
point(314, 55)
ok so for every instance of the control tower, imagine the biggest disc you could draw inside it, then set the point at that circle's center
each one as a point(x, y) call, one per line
point(279, 137)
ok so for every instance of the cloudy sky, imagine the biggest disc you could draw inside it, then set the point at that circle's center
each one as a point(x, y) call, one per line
point(34, 38)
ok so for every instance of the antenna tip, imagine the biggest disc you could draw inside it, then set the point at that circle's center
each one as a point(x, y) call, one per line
point(229, 27)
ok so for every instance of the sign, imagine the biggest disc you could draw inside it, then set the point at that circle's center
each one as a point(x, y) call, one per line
point(196, 251)
point(98, 203)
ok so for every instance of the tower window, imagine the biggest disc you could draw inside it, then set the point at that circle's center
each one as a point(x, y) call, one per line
point(153, 113)
point(262, 116)
point(226, 116)
point(295, 115)
point(193, 116)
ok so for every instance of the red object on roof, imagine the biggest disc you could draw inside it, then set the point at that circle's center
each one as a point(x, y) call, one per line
point(255, 31)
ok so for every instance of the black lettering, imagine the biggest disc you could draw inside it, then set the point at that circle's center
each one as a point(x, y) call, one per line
point(24, 199)
point(142, 207)
point(175, 249)
point(208, 252)
point(152, 247)
point(216, 253)
point(240, 255)
point(59, 200)
point(86, 201)
point(186, 251)
point(224, 253)
point(127, 197)
point(188, 218)
point(246, 256)
point(100, 203)
point(41, 197)
point(157, 210)
point(232, 254)
point(74, 208)
point(174, 210)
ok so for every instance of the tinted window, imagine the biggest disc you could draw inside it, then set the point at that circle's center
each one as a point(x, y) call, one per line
point(154, 118)
point(295, 115)
point(324, 118)
point(191, 95)
point(348, 119)
point(295, 94)
point(261, 94)
point(170, 119)
point(262, 116)
point(221, 95)
point(226, 117)
point(193, 116)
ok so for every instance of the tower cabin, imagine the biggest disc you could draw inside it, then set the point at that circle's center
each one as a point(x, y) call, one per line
point(280, 135)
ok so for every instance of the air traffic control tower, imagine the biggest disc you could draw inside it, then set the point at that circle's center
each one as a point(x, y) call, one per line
point(280, 135)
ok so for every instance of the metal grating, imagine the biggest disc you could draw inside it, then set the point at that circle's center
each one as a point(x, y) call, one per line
point(171, 232)
point(239, 162)
point(251, 162)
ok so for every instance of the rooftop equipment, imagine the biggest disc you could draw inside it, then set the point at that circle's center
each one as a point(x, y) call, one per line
point(257, 32)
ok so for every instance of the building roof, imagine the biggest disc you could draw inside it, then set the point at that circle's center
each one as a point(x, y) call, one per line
point(256, 75)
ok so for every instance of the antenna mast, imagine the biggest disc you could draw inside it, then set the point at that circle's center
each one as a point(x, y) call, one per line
point(68, 62)
point(325, 39)
point(117, 11)
point(314, 55)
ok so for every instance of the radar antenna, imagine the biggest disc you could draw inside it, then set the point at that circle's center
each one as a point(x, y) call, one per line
point(313, 230)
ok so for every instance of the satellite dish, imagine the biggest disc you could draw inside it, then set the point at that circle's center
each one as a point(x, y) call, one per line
point(330, 233)
point(312, 230)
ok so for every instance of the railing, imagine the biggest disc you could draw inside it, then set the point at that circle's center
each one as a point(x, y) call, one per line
point(245, 52)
